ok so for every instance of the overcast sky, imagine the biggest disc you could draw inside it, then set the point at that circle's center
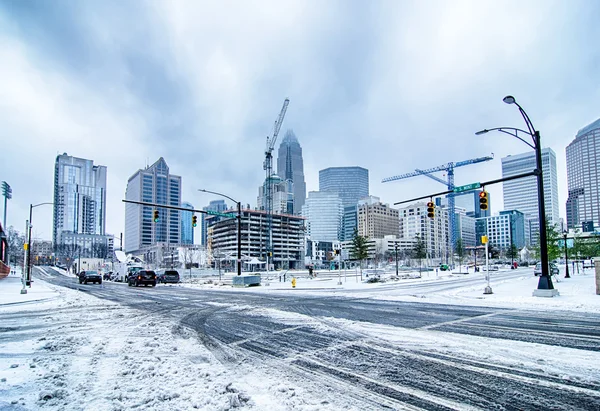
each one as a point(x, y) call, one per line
point(389, 86)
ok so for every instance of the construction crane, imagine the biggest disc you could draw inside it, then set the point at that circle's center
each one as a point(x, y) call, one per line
point(268, 167)
point(449, 169)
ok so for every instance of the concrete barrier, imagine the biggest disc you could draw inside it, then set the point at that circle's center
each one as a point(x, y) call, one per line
point(246, 280)
point(597, 266)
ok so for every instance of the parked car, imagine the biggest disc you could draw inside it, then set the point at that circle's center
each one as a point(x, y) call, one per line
point(145, 277)
point(168, 276)
point(90, 277)
point(538, 269)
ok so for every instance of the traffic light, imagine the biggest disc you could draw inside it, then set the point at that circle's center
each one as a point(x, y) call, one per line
point(483, 200)
point(156, 216)
point(430, 210)
point(194, 221)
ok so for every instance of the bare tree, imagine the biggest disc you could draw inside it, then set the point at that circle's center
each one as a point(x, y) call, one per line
point(15, 245)
point(67, 253)
point(99, 250)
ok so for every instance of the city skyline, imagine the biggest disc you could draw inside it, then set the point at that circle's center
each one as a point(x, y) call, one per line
point(84, 85)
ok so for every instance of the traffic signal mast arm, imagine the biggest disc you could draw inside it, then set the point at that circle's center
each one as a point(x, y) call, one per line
point(171, 207)
point(483, 184)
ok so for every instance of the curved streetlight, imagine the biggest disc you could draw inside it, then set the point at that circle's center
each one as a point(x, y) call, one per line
point(239, 227)
point(545, 282)
point(28, 270)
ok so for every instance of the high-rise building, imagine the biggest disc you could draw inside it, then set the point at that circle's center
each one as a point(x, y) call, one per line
point(465, 227)
point(583, 178)
point(79, 200)
point(432, 231)
point(323, 212)
point(290, 167)
point(350, 183)
point(215, 205)
point(282, 192)
point(375, 219)
point(522, 194)
point(187, 230)
point(153, 184)
point(349, 222)
point(503, 230)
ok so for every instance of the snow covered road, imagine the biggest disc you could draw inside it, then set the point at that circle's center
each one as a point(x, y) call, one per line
point(296, 352)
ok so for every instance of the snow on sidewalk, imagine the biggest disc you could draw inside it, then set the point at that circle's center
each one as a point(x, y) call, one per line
point(11, 286)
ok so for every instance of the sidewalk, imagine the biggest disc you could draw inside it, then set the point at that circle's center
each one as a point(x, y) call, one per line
point(10, 290)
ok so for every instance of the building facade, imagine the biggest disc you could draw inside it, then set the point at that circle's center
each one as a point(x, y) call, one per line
point(187, 230)
point(323, 212)
point(154, 184)
point(79, 198)
point(290, 168)
point(288, 238)
point(349, 222)
point(583, 178)
point(503, 230)
point(375, 219)
point(465, 227)
point(282, 192)
point(350, 183)
point(522, 194)
point(218, 206)
point(432, 231)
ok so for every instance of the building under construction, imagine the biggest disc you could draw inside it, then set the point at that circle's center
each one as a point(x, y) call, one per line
point(288, 238)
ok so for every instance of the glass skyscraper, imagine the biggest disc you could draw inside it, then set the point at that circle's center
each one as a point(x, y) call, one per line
point(522, 194)
point(153, 184)
point(323, 212)
point(187, 230)
point(79, 198)
point(350, 183)
point(215, 205)
point(583, 178)
point(290, 167)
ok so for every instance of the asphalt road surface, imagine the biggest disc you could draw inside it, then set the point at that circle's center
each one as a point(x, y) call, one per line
point(377, 373)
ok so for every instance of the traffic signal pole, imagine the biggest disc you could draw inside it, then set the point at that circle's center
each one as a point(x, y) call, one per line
point(485, 183)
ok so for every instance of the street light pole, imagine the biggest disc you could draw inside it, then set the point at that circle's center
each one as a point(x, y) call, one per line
point(566, 256)
point(396, 247)
point(239, 228)
point(28, 278)
point(545, 282)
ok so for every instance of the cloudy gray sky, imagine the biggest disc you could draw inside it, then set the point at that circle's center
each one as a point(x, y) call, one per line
point(387, 85)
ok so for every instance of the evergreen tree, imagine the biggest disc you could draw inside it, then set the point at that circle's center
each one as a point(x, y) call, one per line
point(419, 251)
point(359, 249)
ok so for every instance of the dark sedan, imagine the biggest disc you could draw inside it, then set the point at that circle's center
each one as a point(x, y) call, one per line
point(90, 277)
point(143, 277)
point(168, 276)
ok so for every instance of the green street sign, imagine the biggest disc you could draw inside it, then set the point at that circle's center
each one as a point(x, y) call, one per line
point(467, 187)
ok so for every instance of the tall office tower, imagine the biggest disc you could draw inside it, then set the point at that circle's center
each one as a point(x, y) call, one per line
point(215, 205)
point(153, 184)
point(583, 178)
point(375, 219)
point(290, 167)
point(323, 212)
point(349, 222)
point(522, 194)
point(187, 230)
point(283, 195)
point(79, 198)
point(351, 183)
